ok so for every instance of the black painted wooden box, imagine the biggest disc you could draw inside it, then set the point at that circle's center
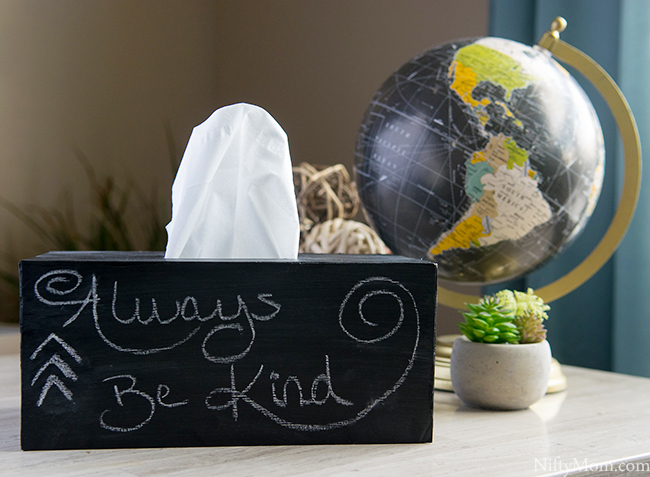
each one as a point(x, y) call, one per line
point(132, 350)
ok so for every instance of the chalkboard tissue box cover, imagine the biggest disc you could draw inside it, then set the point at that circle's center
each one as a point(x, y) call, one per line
point(128, 349)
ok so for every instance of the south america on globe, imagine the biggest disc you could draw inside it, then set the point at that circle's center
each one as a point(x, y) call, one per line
point(484, 155)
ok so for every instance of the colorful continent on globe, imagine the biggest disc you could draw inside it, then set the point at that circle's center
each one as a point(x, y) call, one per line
point(506, 203)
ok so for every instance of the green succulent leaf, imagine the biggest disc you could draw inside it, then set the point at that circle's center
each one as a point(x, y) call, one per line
point(503, 319)
point(478, 323)
point(479, 334)
point(506, 326)
point(474, 308)
point(510, 337)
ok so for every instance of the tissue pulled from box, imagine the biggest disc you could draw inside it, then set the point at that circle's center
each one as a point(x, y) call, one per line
point(233, 196)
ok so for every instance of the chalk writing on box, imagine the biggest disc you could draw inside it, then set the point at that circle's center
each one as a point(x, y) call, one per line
point(234, 334)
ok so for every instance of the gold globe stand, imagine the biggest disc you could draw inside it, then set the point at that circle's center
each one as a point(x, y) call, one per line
point(618, 227)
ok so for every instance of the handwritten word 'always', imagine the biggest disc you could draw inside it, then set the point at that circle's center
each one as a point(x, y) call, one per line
point(59, 283)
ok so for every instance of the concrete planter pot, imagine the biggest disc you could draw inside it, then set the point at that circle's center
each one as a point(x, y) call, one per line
point(500, 376)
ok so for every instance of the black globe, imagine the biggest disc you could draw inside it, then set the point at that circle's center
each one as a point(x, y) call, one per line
point(483, 155)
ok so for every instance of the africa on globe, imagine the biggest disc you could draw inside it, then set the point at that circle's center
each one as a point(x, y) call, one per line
point(484, 155)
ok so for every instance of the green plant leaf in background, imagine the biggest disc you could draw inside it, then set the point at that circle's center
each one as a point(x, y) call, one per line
point(111, 225)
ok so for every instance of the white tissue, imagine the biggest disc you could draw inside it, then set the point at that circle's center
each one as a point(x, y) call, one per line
point(233, 196)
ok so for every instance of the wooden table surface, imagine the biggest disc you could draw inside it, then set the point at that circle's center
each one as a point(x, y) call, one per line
point(602, 418)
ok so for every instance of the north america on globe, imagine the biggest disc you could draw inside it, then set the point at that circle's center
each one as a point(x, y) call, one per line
point(483, 155)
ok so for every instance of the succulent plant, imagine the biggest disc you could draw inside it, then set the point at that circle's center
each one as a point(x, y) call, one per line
point(506, 317)
point(531, 328)
point(523, 303)
point(489, 322)
point(530, 313)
